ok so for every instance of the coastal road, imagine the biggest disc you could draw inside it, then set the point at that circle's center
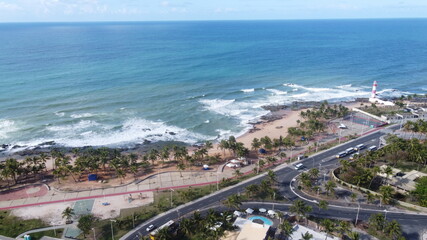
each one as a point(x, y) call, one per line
point(285, 176)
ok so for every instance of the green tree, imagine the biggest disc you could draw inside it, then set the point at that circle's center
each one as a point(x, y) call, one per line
point(393, 229)
point(306, 236)
point(286, 229)
point(68, 213)
point(386, 194)
point(330, 186)
point(329, 226)
point(323, 204)
point(377, 221)
point(85, 224)
point(300, 208)
point(233, 201)
point(420, 192)
point(354, 235)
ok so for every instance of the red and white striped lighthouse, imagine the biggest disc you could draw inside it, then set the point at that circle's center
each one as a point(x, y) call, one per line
point(374, 90)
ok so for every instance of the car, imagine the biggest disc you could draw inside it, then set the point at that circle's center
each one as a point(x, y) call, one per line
point(150, 228)
point(301, 157)
point(349, 150)
point(359, 147)
point(299, 166)
point(373, 148)
point(341, 155)
point(354, 155)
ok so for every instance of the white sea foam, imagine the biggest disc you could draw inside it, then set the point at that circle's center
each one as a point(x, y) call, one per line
point(207, 121)
point(248, 90)
point(7, 126)
point(60, 114)
point(83, 124)
point(82, 115)
point(277, 92)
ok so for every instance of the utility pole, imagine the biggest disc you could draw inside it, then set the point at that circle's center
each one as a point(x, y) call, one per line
point(112, 229)
point(217, 181)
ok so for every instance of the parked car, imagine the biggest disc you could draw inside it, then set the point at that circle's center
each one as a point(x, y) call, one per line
point(150, 228)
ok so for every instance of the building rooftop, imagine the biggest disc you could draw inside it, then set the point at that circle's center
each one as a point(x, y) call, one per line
point(300, 230)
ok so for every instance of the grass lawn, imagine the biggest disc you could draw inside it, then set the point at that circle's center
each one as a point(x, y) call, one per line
point(50, 233)
point(11, 226)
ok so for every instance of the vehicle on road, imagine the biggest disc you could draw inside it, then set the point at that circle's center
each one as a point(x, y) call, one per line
point(299, 166)
point(341, 155)
point(350, 151)
point(166, 225)
point(150, 228)
point(354, 156)
point(373, 148)
point(301, 157)
point(359, 147)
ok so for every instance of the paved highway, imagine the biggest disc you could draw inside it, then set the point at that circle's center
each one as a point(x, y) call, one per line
point(412, 223)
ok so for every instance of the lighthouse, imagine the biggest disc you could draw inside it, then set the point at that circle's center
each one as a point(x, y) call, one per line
point(374, 99)
point(374, 90)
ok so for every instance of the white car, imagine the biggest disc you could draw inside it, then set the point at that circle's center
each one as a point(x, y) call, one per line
point(149, 228)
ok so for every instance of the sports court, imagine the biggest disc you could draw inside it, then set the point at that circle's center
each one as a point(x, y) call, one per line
point(362, 119)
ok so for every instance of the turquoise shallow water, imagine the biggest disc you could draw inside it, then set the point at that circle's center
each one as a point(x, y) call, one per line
point(117, 84)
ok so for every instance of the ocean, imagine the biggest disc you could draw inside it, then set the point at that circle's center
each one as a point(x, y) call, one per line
point(118, 84)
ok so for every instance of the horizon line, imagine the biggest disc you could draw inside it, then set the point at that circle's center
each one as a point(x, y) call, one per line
point(222, 20)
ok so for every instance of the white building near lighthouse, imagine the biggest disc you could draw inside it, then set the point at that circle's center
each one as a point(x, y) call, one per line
point(375, 99)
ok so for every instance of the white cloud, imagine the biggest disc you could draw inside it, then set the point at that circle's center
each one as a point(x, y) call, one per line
point(9, 6)
point(225, 10)
point(165, 4)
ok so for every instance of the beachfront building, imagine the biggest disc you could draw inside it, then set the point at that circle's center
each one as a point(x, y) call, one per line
point(301, 230)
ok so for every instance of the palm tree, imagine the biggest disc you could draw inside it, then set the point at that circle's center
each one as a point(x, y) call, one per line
point(329, 227)
point(377, 221)
point(354, 235)
point(12, 169)
point(323, 204)
point(68, 213)
point(300, 208)
point(181, 167)
point(237, 173)
point(344, 228)
point(252, 189)
point(186, 226)
point(255, 144)
point(313, 173)
point(306, 236)
point(164, 234)
point(386, 193)
point(271, 176)
point(393, 229)
point(233, 201)
point(329, 187)
point(388, 171)
point(286, 229)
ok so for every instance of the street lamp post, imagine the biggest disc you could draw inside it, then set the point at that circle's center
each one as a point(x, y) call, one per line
point(112, 229)
point(217, 181)
point(357, 216)
point(171, 196)
point(274, 198)
point(94, 235)
point(385, 215)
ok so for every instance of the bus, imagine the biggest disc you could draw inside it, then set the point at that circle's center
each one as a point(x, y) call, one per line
point(166, 225)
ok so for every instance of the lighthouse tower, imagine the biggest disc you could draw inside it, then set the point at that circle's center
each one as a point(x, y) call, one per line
point(374, 90)
point(374, 99)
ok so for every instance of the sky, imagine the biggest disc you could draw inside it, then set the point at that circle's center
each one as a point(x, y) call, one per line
point(184, 10)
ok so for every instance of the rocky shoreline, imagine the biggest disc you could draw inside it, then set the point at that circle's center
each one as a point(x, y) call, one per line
point(276, 112)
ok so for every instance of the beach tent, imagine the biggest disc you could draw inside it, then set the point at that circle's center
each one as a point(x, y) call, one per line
point(249, 210)
point(92, 177)
point(235, 161)
point(271, 212)
point(262, 151)
point(262, 210)
point(205, 167)
point(237, 213)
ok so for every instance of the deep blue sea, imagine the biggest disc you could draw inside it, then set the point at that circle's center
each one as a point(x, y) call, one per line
point(116, 84)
